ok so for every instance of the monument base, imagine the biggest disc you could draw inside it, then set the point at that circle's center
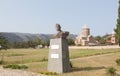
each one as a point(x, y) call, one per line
point(58, 60)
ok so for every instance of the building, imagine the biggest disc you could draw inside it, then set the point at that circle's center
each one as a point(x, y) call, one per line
point(113, 38)
point(85, 39)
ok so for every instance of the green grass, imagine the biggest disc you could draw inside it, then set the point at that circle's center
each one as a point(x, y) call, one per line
point(17, 56)
point(36, 60)
point(89, 52)
point(20, 56)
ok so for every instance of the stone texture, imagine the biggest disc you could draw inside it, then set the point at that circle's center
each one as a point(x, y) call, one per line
point(58, 60)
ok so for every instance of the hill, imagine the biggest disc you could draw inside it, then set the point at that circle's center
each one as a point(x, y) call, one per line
point(18, 37)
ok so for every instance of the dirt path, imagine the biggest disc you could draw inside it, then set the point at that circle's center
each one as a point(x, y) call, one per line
point(9, 72)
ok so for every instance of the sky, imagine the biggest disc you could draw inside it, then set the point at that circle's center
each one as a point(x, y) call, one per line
point(40, 16)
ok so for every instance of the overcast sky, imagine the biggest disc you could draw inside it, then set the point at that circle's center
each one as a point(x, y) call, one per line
point(40, 16)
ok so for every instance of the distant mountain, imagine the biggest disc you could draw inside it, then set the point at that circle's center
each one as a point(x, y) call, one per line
point(18, 37)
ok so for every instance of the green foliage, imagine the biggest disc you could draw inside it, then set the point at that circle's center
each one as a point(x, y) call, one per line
point(103, 39)
point(100, 39)
point(37, 41)
point(3, 43)
point(1, 61)
point(46, 43)
point(111, 71)
point(48, 73)
point(15, 66)
point(26, 44)
point(70, 41)
point(44, 59)
point(118, 62)
point(117, 29)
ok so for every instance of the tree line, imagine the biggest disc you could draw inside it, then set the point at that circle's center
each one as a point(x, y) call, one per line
point(29, 44)
point(5, 44)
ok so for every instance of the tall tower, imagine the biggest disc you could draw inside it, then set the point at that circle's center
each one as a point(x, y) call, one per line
point(85, 31)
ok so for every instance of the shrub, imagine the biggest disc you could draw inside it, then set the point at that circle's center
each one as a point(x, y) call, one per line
point(44, 59)
point(24, 67)
point(118, 61)
point(15, 66)
point(48, 73)
point(1, 61)
point(111, 71)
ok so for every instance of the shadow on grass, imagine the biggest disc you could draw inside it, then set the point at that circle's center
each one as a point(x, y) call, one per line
point(86, 68)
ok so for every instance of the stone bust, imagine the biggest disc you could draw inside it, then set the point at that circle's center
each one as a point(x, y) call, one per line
point(60, 33)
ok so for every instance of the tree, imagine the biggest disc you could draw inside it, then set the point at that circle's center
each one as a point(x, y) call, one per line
point(98, 38)
point(101, 40)
point(70, 41)
point(3, 43)
point(37, 41)
point(111, 71)
point(46, 43)
point(117, 29)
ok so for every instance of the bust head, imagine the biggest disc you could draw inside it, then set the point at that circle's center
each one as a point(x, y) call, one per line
point(58, 27)
point(60, 33)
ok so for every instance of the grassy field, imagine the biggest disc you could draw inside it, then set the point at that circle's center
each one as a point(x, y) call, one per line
point(83, 63)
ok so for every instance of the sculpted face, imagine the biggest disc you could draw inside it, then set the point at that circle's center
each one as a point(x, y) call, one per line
point(58, 27)
point(60, 33)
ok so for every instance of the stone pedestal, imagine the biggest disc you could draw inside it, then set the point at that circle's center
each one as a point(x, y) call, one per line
point(58, 60)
